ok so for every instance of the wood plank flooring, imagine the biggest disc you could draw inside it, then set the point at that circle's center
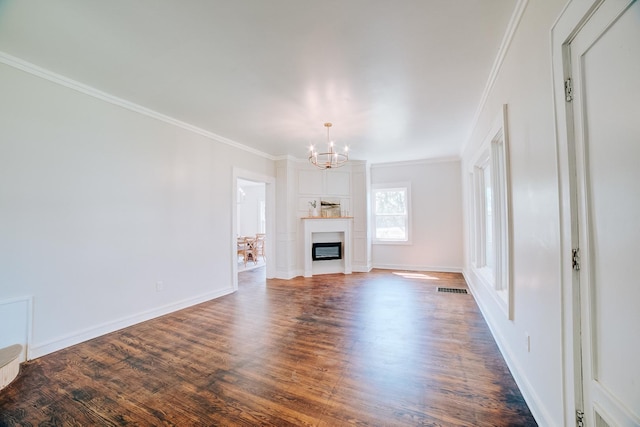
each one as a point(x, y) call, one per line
point(378, 349)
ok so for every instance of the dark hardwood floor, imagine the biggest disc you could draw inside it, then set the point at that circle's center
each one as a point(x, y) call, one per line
point(379, 349)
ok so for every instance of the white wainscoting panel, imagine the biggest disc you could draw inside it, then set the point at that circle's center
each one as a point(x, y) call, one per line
point(15, 324)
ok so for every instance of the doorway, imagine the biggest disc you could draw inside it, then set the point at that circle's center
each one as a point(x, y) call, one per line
point(251, 224)
point(253, 217)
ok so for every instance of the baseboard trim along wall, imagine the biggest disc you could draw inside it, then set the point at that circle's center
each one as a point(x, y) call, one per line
point(356, 268)
point(435, 269)
point(530, 396)
point(288, 274)
point(39, 350)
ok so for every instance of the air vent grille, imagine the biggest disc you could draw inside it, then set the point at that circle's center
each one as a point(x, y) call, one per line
point(453, 290)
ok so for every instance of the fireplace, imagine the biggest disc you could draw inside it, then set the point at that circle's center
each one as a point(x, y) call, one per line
point(323, 230)
point(326, 251)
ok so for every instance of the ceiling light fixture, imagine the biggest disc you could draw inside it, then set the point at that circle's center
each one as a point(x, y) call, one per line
point(330, 159)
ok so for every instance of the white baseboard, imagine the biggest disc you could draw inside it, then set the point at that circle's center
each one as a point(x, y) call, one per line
point(361, 268)
point(288, 274)
point(528, 393)
point(111, 326)
point(437, 269)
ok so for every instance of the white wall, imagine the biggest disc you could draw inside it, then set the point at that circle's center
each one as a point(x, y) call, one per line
point(436, 216)
point(524, 84)
point(98, 203)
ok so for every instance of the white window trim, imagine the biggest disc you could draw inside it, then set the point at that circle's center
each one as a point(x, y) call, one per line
point(390, 186)
point(477, 176)
point(494, 153)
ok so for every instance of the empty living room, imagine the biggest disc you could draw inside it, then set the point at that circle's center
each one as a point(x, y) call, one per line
point(291, 212)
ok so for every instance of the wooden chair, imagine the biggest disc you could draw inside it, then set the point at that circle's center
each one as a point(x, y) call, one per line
point(247, 249)
point(259, 245)
point(241, 249)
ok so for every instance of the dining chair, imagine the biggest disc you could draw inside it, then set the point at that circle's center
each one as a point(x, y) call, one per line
point(247, 249)
point(259, 245)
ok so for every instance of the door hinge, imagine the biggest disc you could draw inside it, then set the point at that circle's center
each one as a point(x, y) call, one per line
point(568, 90)
point(575, 258)
point(579, 418)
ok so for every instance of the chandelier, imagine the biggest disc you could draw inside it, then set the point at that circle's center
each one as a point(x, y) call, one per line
point(331, 158)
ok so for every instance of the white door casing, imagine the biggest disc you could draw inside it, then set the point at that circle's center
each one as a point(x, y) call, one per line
point(270, 203)
point(602, 59)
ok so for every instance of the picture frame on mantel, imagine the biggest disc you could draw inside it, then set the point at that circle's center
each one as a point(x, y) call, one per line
point(330, 208)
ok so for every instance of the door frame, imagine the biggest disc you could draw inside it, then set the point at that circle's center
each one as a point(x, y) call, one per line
point(572, 19)
point(270, 210)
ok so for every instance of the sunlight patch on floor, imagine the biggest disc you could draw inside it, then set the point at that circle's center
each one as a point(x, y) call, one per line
point(250, 265)
point(419, 276)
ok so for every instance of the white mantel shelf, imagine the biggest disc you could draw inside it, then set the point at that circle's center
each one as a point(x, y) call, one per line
point(327, 225)
point(327, 217)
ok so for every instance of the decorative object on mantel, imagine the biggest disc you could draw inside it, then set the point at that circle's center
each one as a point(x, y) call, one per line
point(313, 210)
point(331, 158)
point(345, 216)
point(330, 208)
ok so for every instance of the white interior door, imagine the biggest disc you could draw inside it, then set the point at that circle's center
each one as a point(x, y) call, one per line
point(605, 69)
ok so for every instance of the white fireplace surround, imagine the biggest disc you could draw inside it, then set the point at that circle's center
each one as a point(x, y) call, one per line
point(327, 225)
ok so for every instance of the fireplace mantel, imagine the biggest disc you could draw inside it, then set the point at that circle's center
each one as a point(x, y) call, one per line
point(326, 225)
point(330, 218)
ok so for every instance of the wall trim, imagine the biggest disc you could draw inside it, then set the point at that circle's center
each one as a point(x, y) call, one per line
point(416, 162)
point(435, 269)
point(510, 32)
point(289, 274)
point(43, 73)
point(361, 268)
point(286, 157)
point(114, 325)
point(28, 299)
point(534, 402)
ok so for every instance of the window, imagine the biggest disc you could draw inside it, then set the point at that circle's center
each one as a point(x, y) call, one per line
point(490, 225)
point(391, 213)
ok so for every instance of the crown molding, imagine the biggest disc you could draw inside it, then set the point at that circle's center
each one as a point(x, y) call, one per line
point(416, 162)
point(286, 157)
point(43, 73)
point(514, 22)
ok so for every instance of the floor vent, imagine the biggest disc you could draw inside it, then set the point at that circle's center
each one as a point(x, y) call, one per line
point(453, 290)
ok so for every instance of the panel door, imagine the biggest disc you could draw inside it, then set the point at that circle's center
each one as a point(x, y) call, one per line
point(605, 68)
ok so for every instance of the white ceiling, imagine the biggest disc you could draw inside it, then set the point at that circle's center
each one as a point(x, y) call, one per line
point(399, 79)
